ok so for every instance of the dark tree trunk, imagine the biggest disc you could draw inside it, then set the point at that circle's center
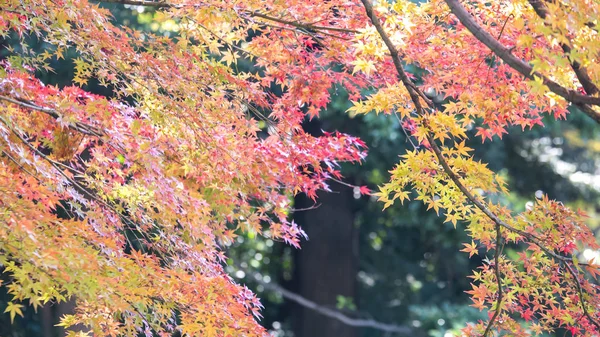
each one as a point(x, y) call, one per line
point(327, 264)
point(48, 321)
point(51, 314)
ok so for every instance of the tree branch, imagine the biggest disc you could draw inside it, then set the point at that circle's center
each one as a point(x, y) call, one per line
point(581, 101)
point(301, 25)
point(582, 75)
point(336, 314)
point(162, 4)
point(498, 280)
point(77, 126)
point(413, 91)
point(147, 3)
point(582, 300)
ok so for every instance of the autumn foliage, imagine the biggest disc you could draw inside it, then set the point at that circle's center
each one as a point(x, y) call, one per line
point(127, 202)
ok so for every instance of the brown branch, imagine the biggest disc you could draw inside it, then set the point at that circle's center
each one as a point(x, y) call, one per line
point(19, 165)
point(413, 91)
point(498, 280)
point(580, 291)
point(301, 25)
point(147, 3)
point(162, 4)
point(303, 29)
point(581, 101)
point(336, 314)
point(77, 126)
point(582, 75)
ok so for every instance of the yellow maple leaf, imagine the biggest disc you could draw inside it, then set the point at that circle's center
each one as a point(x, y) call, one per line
point(366, 66)
point(13, 310)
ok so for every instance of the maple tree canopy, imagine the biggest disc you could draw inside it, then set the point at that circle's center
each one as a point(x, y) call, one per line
point(127, 202)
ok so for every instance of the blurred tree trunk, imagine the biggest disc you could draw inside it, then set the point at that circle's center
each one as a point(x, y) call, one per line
point(48, 321)
point(326, 265)
point(50, 315)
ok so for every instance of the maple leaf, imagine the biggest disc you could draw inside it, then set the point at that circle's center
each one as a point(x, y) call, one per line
point(229, 57)
point(13, 309)
point(436, 204)
point(484, 134)
point(594, 270)
point(575, 331)
point(537, 86)
point(536, 328)
point(364, 190)
point(366, 66)
point(568, 247)
point(470, 248)
point(527, 315)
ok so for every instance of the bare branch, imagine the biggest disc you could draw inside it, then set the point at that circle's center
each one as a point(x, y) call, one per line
point(582, 101)
point(336, 314)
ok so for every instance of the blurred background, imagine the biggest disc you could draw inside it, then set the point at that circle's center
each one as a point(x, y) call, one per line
point(363, 271)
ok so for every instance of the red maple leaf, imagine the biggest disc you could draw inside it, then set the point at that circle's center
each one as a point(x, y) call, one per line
point(364, 190)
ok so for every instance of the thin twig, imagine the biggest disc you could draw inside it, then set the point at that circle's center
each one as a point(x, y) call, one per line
point(498, 280)
point(20, 165)
point(408, 137)
point(315, 206)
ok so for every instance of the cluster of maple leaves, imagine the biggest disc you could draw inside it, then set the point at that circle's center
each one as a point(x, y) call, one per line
point(126, 202)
